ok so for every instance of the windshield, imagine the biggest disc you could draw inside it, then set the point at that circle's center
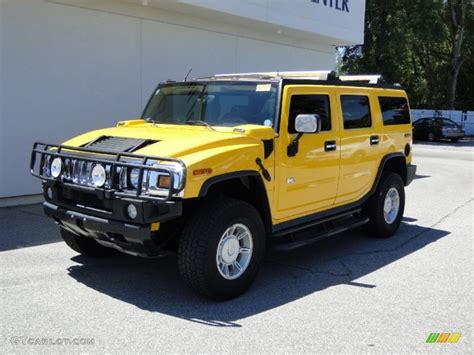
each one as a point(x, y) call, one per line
point(215, 103)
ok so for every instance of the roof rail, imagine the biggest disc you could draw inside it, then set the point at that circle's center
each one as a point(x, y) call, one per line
point(321, 75)
point(316, 75)
point(367, 79)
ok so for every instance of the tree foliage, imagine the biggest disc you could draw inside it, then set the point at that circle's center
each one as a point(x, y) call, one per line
point(413, 42)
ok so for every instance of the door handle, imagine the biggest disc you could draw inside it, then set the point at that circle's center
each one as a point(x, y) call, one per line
point(330, 146)
point(374, 140)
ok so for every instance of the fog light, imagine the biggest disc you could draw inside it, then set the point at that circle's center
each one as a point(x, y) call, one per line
point(132, 211)
point(56, 167)
point(49, 193)
point(98, 175)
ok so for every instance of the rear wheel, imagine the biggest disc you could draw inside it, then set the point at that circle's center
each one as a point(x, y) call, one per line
point(455, 140)
point(386, 206)
point(222, 248)
point(85, 245)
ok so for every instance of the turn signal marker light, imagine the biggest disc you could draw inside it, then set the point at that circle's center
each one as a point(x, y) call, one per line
point(164, 181)
point(199, 172)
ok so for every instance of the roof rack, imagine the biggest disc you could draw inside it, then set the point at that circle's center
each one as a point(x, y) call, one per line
point(322, 75)
point(315, 75)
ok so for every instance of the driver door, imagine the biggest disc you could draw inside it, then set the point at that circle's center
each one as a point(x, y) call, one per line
point(307, 182)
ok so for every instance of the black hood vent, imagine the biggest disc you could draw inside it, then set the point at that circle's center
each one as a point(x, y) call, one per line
point(118, 144)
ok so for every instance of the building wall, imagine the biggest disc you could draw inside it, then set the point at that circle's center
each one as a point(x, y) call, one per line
point(68, 68)
point(338, 21)
point(2, 130)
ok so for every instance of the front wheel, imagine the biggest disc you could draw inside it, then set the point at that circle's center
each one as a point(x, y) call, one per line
point(385, 208)
point(455, 140)
point(222, 248)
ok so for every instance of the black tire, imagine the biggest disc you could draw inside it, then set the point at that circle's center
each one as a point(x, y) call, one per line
point(455, 140)
point(378, 226)
point(200, 240)
point(86, 246)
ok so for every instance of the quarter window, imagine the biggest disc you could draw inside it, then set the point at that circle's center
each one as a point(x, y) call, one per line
point(310, 104)
point(355, 111)
point(394, 110)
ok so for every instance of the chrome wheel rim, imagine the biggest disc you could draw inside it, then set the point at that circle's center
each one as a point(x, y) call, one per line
point(234, 251)
point(391, 205)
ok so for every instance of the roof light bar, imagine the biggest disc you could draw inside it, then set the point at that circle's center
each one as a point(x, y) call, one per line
point(367, 79)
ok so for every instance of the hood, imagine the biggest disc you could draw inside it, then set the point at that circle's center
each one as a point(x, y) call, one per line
point(177, 141)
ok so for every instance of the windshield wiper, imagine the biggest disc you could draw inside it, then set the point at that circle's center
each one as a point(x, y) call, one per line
point(199, 123)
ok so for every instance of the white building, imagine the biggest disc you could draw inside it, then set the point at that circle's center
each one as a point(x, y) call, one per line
point(69, 66)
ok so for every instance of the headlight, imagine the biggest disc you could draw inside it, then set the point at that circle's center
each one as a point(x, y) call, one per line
point(154, 182)
point(134, 176)
point(47, 165)
point(160, 182)
point(98, 175)
point(56, 167)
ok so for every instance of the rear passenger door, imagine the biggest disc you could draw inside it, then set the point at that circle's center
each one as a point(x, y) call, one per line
point(360, 144)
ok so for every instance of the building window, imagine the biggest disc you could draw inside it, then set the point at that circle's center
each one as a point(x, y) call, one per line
point(394, 110)
point(310, 104)
point(355, 111)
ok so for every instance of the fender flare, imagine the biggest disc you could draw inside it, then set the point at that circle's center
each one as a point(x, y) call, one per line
point(224, 177)
point(264, 209)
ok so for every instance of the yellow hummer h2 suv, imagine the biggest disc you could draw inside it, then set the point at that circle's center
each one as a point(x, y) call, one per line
point(219, 169)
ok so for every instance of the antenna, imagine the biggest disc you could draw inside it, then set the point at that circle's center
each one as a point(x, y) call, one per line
point(189, 72)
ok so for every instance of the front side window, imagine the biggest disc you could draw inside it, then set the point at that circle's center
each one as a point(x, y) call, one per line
point(419, 122)
point(394, 110)
point(310, 104)
point(445, 122)
point(216, 103)
point(355, 111)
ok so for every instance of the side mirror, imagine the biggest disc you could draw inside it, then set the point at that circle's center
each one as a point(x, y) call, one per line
point(304, 123)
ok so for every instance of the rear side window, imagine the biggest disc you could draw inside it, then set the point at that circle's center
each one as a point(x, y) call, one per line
point(310, 104)
point(394, 110)
point(355, 111)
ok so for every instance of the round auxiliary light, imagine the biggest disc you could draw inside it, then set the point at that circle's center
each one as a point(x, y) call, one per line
point(49, 193)
point(98, 175)
point(132, 211)
point(56, 167)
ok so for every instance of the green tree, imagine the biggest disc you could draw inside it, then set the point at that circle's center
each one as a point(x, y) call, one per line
point(412, 43)
point(457, 11)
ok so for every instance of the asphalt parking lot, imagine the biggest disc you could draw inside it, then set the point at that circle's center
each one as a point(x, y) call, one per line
point(348, 294)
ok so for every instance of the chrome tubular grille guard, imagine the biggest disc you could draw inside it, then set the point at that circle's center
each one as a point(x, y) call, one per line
point(112, 159)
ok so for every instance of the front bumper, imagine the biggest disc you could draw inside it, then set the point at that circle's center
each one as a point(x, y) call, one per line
point(411, 173)
point(101, 213)
point(452, 135)
point(110, 224)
